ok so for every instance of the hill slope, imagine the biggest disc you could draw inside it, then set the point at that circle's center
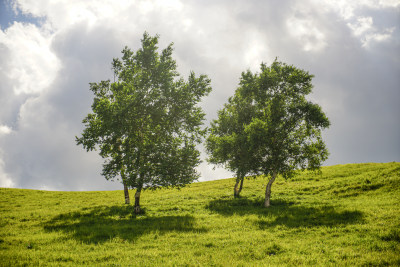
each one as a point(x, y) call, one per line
point(348, 215)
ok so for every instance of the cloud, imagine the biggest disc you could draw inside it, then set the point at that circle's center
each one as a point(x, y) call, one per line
point(31, 64)
point(362, 26)
point(5, 179)
point(352, 48)
point(364, 29)
point(307, 32)
point(4, 129)
point(377, 37)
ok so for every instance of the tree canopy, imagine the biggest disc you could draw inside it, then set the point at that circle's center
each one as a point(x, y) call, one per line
point(147, 123)
point(269, 127)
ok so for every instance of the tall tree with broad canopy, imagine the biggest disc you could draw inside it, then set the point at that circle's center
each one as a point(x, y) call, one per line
point(147, 123)
point(269, 127)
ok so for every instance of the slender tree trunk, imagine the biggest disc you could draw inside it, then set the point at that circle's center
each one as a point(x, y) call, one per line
point(241, 185)
point(237, 189)
point(268, 190)
point(126, 192)
point(137, 200)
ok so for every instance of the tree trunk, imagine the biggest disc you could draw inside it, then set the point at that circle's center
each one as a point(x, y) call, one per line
point(241, 185)
point(126, 192)
point(237, 189)
point(268, 190)
point(137, 200)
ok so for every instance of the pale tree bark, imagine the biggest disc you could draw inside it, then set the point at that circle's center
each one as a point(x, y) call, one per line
point(236, 189)
point(137, 200)
point(126, 192)
point(268, 190)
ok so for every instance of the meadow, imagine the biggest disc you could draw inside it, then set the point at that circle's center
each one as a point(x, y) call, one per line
point(346, 215)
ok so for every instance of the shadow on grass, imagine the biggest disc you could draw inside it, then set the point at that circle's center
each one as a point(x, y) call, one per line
point(285, 213)
point(104, 223)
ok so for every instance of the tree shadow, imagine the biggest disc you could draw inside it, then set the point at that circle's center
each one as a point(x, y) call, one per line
point(286, 213)
point(103, 223)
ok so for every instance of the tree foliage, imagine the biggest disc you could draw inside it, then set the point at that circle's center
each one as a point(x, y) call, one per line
point(269, 127)
point(147, 123)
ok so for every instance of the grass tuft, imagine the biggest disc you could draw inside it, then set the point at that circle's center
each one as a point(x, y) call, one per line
point(274, 250)
point(393, 235)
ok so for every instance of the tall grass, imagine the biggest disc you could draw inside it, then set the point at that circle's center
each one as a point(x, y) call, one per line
point(347, 215)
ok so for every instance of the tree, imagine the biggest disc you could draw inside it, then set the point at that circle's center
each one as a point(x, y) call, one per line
point(269, 127)
point(227, 143)
point(147, 123)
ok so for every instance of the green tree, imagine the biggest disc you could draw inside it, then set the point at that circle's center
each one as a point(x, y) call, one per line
point(147, 123)
point(269, 127)
point(227, 143)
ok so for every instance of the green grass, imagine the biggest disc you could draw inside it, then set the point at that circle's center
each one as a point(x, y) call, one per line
point(348, 215)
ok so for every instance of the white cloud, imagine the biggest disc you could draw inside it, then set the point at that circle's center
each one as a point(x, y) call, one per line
point(61, 14)
point(256, 50)
point(382, 3)
point(31, 66)
point(165, 5)
point(362, 25)
point(5, 179)
point(64, 13)
point(307, 33)
point(377, 37)
point(4, 129)
point(364, 29)
point(348, 9)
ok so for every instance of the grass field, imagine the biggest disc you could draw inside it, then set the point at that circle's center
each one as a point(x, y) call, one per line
point(348, 215)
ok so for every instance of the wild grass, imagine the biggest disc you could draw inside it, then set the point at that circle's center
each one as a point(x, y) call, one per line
point(347, 215)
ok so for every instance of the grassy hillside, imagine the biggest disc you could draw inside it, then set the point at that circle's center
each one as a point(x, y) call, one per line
point(348, 215)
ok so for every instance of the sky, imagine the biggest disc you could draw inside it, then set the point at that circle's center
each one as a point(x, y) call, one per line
point(50, 50)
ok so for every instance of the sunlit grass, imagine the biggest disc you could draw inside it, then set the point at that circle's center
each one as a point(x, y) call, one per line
point(348, 215)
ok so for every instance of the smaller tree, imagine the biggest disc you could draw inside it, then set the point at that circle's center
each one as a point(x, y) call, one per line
point(269, 127)
point(227, 143)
